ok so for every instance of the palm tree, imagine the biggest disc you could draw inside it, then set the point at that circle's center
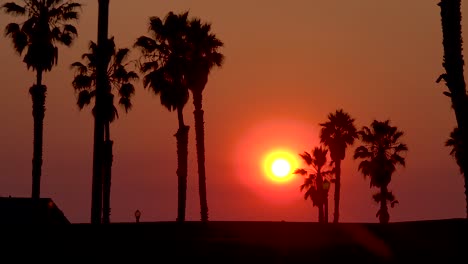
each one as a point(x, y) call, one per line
point(46, 24)
point(337, 133)
point(119, 79)
point(165, 65)
point(98, 139)
point(204, 56)
point(454, 75)
point(381, 153)
point(314, 181)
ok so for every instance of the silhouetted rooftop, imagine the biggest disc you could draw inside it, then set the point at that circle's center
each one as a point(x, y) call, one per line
point(15, 210)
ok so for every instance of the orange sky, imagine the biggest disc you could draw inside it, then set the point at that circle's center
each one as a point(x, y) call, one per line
point(288, 64)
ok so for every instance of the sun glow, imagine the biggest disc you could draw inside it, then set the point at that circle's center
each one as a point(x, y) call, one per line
point(260, 146)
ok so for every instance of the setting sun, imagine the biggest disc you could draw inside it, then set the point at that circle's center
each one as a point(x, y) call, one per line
point(278, 165)
point(280, 168)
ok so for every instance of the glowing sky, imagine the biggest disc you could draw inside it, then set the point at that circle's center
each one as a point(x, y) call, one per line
point(288, 64)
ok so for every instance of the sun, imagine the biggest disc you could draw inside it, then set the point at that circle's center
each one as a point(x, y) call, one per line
point(280, 167)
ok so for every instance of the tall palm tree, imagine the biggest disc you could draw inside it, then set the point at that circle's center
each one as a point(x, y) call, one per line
point(450, 11)
point(203, 57)
point(381, 153)
point(314, 179)
point(47, 23)
point(165, 65)
point(338, 133)
point(119, 79)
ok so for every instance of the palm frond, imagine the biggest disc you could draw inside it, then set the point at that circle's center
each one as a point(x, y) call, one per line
point(126, 103)
point(362, 152)
point(132, 76)
point(398, 159)
point(82, 82)
point(306, 157)
point(84, 98)
point(79, 67)
point(121, 55)
point(300, 172)
point(14, 9)
point(18, 37)
point(70, 30)
point(146, 44)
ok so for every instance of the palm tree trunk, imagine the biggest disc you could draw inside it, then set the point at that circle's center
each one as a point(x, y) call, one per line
point(326, 208)
point(320, 215)
point(182, 160)
point(454, 78)
point(108, 157)
point(321, 196)
point(384, 217)
point(200, 141)
point(336, 214)
point(38, 94)
point(98, 151)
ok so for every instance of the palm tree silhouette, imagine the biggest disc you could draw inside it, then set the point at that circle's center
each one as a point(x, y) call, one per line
point(337, 133)
point(98, 139)
point(313, 182)
point(204, 56)
point(46, 24)
point(380, 154)
point(119, 79)
point(450, 11)
point(165, 65)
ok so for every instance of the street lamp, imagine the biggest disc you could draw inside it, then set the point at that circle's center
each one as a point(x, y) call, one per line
point(137, 216)
point(326, 187)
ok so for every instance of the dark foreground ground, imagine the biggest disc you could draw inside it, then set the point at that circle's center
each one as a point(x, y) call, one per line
point(438, 241)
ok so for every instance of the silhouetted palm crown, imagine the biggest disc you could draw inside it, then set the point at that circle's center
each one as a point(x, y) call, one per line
point(381, 152)
point(119, 78)
point(165, 59)
point(203, 54)
point(338, 133)
point(47, 23)
point(317, 161)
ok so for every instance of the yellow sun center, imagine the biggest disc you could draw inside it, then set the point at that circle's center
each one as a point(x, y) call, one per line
point(280, 168)
point(278, 165)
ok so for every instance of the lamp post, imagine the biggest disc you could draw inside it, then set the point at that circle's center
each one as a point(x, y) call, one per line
point(137, 216)
point(326, 187)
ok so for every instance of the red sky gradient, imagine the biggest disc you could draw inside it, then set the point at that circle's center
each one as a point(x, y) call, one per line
point(288, 64)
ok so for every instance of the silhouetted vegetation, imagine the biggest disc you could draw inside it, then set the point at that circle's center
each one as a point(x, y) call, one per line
point(46, 24)
point(337, 133)
point(381, 153)
point(454, 78)
point(99, 152)
point(164, 63)
point(455, 143)
point(314, 180)
point(203, 57)
point(119, 78)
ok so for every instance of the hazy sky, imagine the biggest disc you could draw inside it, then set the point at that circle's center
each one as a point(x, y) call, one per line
point(288, 64)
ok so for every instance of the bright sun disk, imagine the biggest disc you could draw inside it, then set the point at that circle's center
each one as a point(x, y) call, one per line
point(280, 167)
